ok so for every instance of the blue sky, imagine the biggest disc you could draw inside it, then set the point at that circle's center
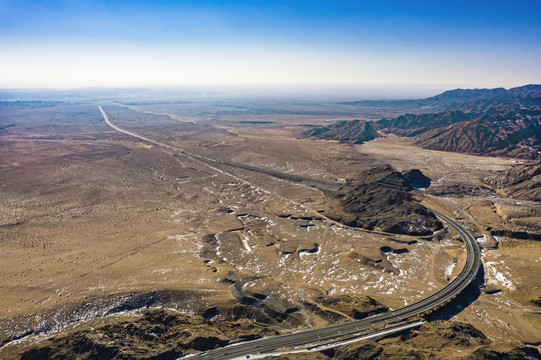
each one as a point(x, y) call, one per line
point(125, 43)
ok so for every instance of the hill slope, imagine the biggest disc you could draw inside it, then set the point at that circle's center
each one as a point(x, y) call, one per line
point(357, 131)
point(495, 122)
point(510, 134)
point(467, 99)
point(520, 182)
point(411, 125)
point(381, 199)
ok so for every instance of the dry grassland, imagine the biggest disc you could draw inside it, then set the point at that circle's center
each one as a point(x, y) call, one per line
point(94, 222)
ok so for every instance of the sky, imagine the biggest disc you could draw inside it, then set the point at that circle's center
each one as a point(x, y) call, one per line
point(69, 43)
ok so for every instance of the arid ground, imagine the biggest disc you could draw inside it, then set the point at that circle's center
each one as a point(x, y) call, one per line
point(95, 224)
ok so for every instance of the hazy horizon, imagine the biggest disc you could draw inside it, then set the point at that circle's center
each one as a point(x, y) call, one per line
point(320, 92)
point(66, 44)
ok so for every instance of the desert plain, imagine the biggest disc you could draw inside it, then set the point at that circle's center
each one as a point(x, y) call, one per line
point(97, 226)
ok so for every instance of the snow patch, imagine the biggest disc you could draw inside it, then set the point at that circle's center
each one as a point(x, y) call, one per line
point(498, 277)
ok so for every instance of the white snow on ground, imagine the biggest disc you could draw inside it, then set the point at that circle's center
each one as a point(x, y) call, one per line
point(244, 239)
point(496, 273)
point(482, 240)
point(303, 254)
point(449, 269)
point(186, 244)
point(500, 277)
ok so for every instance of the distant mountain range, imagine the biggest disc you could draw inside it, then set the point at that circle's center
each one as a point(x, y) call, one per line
point(496, 122)
point(467, 100)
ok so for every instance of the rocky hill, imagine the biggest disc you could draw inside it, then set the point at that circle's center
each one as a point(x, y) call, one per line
point(145, 334)
point(357, 131)
point(436, 340)
point(467, 99)
point(163, 334)
point(487, 100)
point(520, 182)
point(411, 125)
point(382, 200)
point(495, 122)
point(512, 134)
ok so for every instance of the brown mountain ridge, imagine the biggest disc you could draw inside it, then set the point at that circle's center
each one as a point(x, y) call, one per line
point(493, 122)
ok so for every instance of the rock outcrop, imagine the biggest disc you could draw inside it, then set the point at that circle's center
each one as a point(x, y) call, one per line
point(146, 334)
point(520, 182)
point(383, 201)
point(511, 134)
point(356, 131)
point(493, 122)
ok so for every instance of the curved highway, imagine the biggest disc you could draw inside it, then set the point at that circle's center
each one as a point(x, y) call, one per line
point(454, 288)
point(329, 333)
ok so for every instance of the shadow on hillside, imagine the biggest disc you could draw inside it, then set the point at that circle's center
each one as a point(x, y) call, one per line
point(462, 301)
